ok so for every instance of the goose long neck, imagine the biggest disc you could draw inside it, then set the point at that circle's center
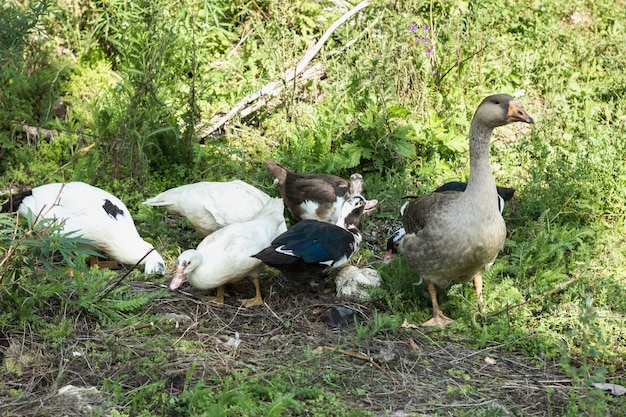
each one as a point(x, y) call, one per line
point(481, 181)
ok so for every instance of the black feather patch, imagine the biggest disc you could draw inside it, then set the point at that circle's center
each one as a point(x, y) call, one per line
point(14, 201)
point(111, 209)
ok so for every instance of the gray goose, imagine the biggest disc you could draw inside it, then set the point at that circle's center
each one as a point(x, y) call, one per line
point(504, 194)
point(456, 236)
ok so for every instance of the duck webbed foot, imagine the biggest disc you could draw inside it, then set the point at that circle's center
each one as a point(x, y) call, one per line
point(257, 300)
point(219, 298)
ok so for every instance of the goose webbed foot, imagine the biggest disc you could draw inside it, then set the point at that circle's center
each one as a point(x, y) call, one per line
point(438, 320)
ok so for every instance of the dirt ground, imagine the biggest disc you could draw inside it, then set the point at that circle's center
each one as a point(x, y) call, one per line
point(407, 372)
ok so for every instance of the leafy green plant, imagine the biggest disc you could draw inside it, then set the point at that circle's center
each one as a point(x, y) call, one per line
point(381, 323)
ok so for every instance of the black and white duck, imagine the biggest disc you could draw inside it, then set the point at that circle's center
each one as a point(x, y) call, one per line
point(94, 214)
point(311, 246)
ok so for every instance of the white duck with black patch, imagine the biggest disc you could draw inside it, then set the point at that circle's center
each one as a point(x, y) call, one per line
point(94, 214)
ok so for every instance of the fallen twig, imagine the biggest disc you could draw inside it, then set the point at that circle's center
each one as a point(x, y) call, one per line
point(361, 356)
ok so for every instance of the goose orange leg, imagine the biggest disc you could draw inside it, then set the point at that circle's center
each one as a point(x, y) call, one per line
point(478, 285)
point(439, 319)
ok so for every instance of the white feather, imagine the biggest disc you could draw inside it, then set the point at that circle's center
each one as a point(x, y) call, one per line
point(211, 205)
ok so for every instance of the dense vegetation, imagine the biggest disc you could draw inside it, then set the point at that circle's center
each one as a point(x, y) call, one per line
point(120, 94)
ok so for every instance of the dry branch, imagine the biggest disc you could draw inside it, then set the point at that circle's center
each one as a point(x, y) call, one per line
point(274, 87)
point(361, 356)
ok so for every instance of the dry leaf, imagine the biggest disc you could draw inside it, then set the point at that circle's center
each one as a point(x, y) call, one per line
point(490, 361)
point(407, 325)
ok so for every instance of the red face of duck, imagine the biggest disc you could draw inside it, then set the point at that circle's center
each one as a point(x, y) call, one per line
point(370, 204)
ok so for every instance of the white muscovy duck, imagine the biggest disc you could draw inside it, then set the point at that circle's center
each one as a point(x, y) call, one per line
point(309, 247)
point(225, 256)
point(504, 194)
point(92, 214)
point(212, 205)
point(315, 196)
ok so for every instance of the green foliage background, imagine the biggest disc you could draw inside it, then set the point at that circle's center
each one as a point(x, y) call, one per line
point(115, 93)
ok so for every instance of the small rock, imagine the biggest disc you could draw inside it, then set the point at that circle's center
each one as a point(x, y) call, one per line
point(233, 342)
point(80, 401)
point(338, 316)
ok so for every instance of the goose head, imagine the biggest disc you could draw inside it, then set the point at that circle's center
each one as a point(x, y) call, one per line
point(499, 110)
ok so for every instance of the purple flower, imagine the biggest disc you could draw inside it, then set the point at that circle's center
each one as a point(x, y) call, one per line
point(426, 28)
point(414, 27)
point(377, 30)
point(430, 52)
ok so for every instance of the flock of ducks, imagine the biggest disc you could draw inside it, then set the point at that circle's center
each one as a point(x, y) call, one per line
point(451, 235)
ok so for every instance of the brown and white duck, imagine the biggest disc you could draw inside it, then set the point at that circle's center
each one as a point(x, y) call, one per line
point(315, 196)
point(455, 236)
point(211, 205)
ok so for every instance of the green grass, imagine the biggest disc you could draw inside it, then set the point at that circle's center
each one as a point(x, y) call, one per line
point(401, 83)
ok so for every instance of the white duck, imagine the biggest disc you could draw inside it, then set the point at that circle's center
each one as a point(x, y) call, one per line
point(212, 205)
point(225, 256)
point(92, 214)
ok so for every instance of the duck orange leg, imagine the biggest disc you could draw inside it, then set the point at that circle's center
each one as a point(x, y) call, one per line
point(219, 297)
point(257, 300)
point(439, 319)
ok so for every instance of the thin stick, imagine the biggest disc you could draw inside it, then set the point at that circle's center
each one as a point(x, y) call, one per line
point(361, 356)
point(116, 282)
point(292, 73)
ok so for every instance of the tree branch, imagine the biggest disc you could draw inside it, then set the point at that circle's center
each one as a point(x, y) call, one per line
point(275, 86)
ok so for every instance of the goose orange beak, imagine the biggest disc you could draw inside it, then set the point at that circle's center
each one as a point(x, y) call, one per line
point(518, 114)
